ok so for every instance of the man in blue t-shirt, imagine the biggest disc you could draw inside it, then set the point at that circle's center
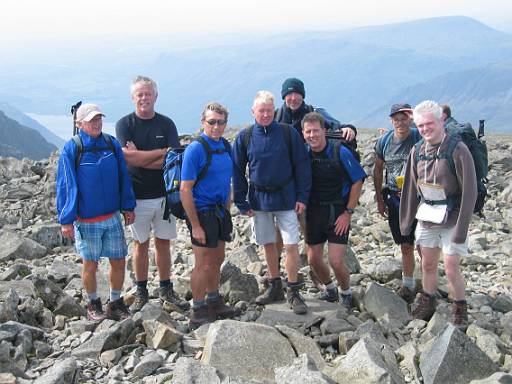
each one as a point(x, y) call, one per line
point(205, 200)
point(337, 181)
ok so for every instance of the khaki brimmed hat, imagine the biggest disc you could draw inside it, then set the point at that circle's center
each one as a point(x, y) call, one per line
point(87, 112)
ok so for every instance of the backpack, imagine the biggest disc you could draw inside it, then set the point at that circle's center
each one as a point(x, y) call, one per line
point(80, 147)
point(172, 175)
point(351, 145)
point(477, 148)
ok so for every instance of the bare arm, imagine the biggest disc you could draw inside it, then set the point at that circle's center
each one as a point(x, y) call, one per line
point(343, 221)
point(145, 159)
point(378, 171)
point(187, 200)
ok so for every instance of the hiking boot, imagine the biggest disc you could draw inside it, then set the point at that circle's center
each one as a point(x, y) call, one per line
point(117, 310)
point(95, 310)
point(425, 308)
point(219, 310)
point(141, 299)
point(274, 292)
point(330, 295)
point(347, 301)
point(408, 295)
point(460, 315)
point(168, 294)
point(296, 301)
point(199, 317)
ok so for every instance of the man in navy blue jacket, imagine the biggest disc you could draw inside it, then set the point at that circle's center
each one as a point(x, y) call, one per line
point(93, 187)
point(277, 189)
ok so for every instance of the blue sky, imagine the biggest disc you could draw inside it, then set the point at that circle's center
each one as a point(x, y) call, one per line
point(36, 19)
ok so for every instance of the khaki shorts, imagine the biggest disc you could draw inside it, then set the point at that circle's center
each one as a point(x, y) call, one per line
point(264, 227)
point(440, 238)
point(149, 215)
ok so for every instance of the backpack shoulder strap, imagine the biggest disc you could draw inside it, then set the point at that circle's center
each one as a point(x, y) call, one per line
point(278, 114)
point(386, 139)
point(247, 138)
point(417, 148)
point(208, 151)
point(108, 140)
point(288, 140)
point(452, 143)
point(336, 153)
point(79, 149)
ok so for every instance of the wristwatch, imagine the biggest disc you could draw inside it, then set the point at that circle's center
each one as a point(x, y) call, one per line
point(349, 210)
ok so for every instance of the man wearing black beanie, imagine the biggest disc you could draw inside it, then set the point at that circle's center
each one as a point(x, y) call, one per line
point(294, 108)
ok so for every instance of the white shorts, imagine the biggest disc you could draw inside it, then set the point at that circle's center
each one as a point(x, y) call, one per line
point(440, 238)
point(264, 227)
point(149, 214)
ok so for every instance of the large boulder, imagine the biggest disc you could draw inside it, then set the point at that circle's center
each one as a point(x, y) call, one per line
point(189, 370)
point(61, 372)
point(382, 303)
point(14, 246)
point(237, 286)
point(303, 370)
point(48, 235)
point(247, 350)
point(454, 358)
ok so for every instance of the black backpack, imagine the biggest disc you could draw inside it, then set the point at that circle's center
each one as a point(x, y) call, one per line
point(477, 148)
point(80, 147)
point(172, 175)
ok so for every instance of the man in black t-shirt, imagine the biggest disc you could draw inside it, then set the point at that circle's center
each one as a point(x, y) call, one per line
point(145, 136)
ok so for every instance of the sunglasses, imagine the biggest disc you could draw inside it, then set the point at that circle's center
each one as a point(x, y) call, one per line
point(219, 122)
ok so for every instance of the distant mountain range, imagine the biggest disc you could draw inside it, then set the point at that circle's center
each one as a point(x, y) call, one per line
point(355, 74)
point(19, 141)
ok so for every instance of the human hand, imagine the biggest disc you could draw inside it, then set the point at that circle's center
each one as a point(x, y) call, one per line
point(129, 217)
point(348, 134)
point(299, 207)
point(131, 146)
point(342, 223)
point(383, 209)
point(199, 235)
point(68, 231)
point(248, 213)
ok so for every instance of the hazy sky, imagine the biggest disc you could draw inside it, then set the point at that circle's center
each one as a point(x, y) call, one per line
point(37, 19)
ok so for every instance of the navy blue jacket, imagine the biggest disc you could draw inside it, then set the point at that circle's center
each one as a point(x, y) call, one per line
point(270, 165)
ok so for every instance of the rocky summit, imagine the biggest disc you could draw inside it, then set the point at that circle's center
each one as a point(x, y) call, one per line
point(46, 338)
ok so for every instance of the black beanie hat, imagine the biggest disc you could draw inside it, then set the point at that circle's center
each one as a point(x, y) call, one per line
point(293, 85)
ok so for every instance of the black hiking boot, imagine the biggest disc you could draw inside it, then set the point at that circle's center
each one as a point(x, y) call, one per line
point(95, 310)
point(117, 310)
point(141, 299)
point(408, 295)
point(330, 295)
point(347, 301)
point(296, 301)
point(273, 293)
point(168, 294)
point(426, 307)
point(219, 310)
point(199, 317)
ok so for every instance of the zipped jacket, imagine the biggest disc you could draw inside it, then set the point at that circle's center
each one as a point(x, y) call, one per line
point(99, 185)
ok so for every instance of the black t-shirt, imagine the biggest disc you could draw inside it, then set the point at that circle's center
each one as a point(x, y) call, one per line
point(157, 132)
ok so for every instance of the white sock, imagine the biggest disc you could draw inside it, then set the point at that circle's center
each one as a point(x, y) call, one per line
point(409, 282)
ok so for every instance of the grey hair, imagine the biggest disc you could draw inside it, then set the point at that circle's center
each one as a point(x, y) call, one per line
point(215, 107)
point(428, 106)
point(263, 97)
point(144, 80)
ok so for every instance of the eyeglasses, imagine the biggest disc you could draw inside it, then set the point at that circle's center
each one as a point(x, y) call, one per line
point(219, 122)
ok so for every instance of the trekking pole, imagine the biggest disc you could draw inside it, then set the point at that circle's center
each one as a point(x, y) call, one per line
point(74, 108)
point(481, 129)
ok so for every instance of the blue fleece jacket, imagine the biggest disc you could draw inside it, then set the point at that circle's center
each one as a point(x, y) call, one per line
point(270, 166)
point(98, 186)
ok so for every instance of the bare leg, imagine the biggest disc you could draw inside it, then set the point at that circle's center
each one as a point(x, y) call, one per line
point(337, 261)
point(163, 258)
point(141, 261)
point(429, 262)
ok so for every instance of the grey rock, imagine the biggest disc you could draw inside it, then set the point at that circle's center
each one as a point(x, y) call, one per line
point(239, 349)
point(7, 378)
point(454, 358)
point(59, 373)
point(488, 342)
point(372, 330)
point(9, 306)
point(153, 311)
point(302, 370)
point(495, 378)
point(478, 300)
point(237, 286)
point(243, 256)
point(381, 302)
point(346, 340)
point(14, 246)
point(14, 271)
point(190, 371)
point(24, 339)
point(409, 356)
point(48, 235)
point(442, 317)
point(191, 346)
point(24, 288)
point(62, 271)
point(161, 335)
point(80, 326)
point(148, 364)
point(14, 327)
point(280, 313)
point(67, 306)
point(386, 270)
point(303, 345)
point(351, 261)
point(368, 362)
point(503, 303)
point(335, 325)
point(41, 349)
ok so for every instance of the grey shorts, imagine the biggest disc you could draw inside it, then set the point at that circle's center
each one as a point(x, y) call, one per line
point(264, 227)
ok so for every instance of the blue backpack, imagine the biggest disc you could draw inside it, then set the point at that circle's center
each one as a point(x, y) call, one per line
point(172, 175)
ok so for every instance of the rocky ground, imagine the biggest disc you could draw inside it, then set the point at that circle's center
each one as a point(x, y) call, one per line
point(45, 338)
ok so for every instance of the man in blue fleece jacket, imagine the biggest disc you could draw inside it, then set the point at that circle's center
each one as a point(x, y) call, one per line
point(277, 189)
point(93, 187)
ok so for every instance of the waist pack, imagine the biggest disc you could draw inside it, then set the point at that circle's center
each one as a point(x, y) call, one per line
point(172, 175)
point(477, 148)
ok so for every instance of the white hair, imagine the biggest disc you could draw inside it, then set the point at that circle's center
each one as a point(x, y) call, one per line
point(263, 97)
point(428, 106)
point(144, 80)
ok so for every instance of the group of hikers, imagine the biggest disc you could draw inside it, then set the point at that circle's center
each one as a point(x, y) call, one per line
point(286, 175)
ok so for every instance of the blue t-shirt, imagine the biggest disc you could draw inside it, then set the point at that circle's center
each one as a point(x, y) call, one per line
point(213, 189)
